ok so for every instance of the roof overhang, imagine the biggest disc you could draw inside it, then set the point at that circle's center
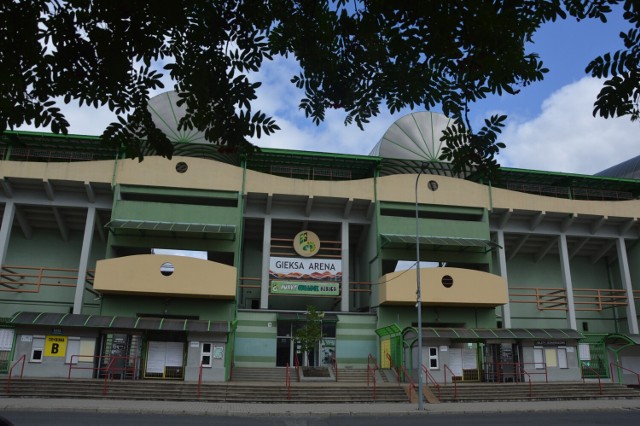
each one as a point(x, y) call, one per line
point(484, 334)
point(436, 243)
point(622, 339)
point(173, 229)
point(302, 317)
point(390, 330)
point(118, 322)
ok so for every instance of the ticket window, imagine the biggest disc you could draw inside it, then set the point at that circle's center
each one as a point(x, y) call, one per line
point(206, 355)
point(432, 352)
point(550, 357)
point(37, 349)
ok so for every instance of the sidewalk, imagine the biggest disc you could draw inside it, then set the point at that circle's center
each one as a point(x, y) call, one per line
point(244, 409)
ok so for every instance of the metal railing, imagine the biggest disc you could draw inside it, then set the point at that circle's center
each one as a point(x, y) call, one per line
point(296, 363)
point(22, 359)
point(372, 367)
point(287, 380)
point(412, 385)
point(200, 377)
point(612, 364)
point(29, 279)
point(530, 386)
point(555, 299)
point(429, 376)
point(593, 371)
point(455, 382)
point(129, 368)
point(500, 371)
point(394, 367)
point(334, 366)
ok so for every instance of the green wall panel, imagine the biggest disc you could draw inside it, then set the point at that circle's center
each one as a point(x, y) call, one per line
point(132, 305)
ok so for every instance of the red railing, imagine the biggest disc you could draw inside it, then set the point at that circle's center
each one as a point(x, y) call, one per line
point(200, 377)
point(108, 375)
point(394, 367)
point(611, 364)
point(21, 359)
point(296, 363)
point(455, 383)
point(530, 386)
point(596, 373)
point(29, 279)
point(516, 369)
point(334, 366)
point(585, 299)
point(372, 367)
point(429, 376)
point(412, 385)
point(287, 380)
point(130, 364)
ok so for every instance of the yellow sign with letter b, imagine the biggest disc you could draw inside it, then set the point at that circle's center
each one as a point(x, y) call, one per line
point(55, 346)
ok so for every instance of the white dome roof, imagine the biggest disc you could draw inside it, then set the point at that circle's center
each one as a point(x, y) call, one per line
point(166, 115)
point(415, 136)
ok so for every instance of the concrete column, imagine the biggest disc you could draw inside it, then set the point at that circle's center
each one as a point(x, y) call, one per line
point(568, 284)
point(502, 260)
point(625, 276)
point(266, 254)
point(344, 302)
point(5, 228)
point(87, 241)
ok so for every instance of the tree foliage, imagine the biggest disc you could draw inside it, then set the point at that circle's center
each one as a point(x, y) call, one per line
point(354, 55)
point(310, 333)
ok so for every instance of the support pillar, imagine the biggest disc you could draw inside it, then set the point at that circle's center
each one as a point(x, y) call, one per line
point(5, 229)
point(345, 293)
point(625, 276)
point(568, 284)
point(502, 260)
point(266, 255)
point(87, 241)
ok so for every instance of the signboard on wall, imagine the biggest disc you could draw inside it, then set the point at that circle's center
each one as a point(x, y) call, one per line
point(305, 288)
point(55, 346)
point(305, 269)
point(306, 243)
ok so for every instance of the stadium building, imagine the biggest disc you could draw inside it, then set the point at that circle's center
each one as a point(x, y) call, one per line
point(209, 261)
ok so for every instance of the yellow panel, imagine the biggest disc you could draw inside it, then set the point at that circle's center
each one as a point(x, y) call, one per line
point(469, 288)
point(150, 274)
point(55, 346)
point(385, 353)
point(551, 357)
point(87, 349)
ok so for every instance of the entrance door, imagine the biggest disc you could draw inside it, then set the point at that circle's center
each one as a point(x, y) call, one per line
point(502, 361)
point(287, 348)
point(283, 352)
point(124, 350)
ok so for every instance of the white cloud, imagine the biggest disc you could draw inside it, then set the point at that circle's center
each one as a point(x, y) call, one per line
point(279, 98)
point(565, 137)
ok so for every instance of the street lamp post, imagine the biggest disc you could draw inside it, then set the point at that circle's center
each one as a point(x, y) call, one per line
point(432, 185)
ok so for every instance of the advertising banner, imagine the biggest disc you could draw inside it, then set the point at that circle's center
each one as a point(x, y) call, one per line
point(309, 288)
point(305, 269)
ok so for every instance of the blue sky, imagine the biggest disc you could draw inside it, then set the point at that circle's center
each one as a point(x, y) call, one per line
point(550, 125)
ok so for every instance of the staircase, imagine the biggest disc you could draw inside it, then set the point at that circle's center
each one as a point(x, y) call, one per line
point(476, 392)
point(259, 374)
point(352, 375)
point(164, 390)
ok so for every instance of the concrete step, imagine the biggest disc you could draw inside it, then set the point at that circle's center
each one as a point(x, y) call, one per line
point(252, 374)
point(180, 391)
point(538, 391)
